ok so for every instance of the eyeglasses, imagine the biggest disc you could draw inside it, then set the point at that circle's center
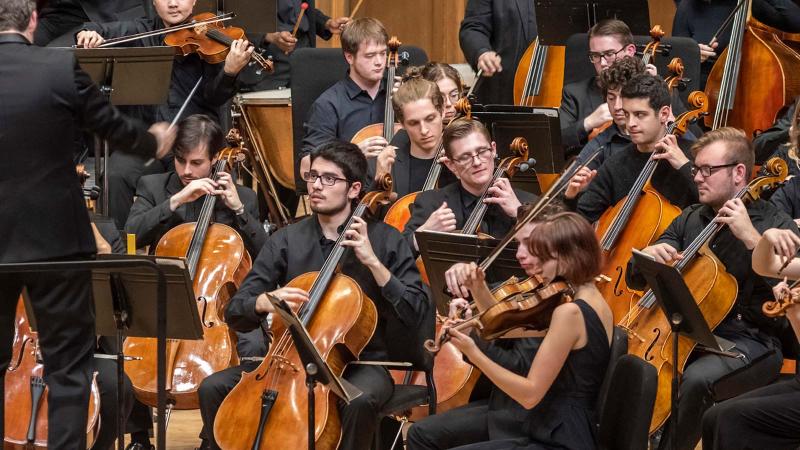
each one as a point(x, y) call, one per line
point(609, 56)
point(482, 154)
point(706, 171)
point(453, 97)
point(326, 180)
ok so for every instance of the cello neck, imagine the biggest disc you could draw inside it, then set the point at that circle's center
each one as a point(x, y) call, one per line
point(202, 224)
point(435, 170)
point(388, 110)
point(476, 217)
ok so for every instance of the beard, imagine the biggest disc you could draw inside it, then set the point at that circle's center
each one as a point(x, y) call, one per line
point(330, 210)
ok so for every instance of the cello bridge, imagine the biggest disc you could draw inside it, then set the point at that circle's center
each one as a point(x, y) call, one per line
point(283, 362)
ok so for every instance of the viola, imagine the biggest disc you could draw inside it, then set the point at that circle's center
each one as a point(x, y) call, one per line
point(218, 262)
point(26, 420)
point(714, 289)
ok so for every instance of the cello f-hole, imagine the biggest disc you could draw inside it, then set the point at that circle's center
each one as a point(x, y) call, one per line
point(617, 289)
point(657, 335)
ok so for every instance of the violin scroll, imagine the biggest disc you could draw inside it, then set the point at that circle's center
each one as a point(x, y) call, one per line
point(777, 308)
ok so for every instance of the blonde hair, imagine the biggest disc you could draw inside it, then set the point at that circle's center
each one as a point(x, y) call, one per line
point(413, 89)
point(794, 133)
point(739, 149)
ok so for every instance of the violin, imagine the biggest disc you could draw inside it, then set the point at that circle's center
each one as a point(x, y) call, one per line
point(26, 420)
point(211, 41)
point(268, 407)
point(777, 307)
point(637, 220)
point(714, 289)
point(218, 262)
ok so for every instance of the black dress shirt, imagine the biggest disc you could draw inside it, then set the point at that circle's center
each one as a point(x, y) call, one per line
point(612, 140)
point(214, 91)
point(770, 142)
point(340, 112)
point(151, 218)
point(578, 100)
point(753, 288)
point(618, 173)
point(302, 247)
point(787, 197)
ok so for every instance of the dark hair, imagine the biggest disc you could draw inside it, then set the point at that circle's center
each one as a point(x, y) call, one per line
point(364, 29)
point(570, 238)
point(461, 128)
point(618, 73)
point(16, 14)
point(197, 130)
point(551, 209)
point(413, 89)
point(612, 27)
point(346, 156)
point(738, 148)
point(650, 87)
point(435, 71)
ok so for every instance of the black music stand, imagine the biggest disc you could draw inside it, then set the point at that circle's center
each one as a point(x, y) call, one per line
point(440, 250)
point(317, 370)
point(684, 316)
point(126, 76)
point(149, 282)
point(557, 20)
point(539, 126)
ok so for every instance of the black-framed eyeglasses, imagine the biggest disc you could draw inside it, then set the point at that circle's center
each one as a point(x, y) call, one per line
point(326, 180)
point(706, 171)
point(482, 154)
point(610, 56)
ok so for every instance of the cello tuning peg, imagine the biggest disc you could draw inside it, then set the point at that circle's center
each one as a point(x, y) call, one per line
point(527, 165)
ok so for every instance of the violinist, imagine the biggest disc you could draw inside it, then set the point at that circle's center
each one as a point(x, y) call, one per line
point(493, 36)
point(43, 215)
point(723, 163)
point(768, 417)
point(166, 200)
point(646, 105)
point(380, 262)
point(558, 388)
point(418, 106)
point(582, 104)
point(471, 157)
point(219, 83)
point(356, 101)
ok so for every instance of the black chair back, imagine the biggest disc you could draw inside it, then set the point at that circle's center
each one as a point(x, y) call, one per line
point(628, 409)
point(619, 347)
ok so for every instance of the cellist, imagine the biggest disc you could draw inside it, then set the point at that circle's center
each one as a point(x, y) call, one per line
point(555, 390)
point(723, 163)
point(646, 104)
point(380, 262)
point(219, 83)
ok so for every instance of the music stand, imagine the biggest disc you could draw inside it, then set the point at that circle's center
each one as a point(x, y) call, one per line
point(684, 316)
point(440, 250)
point(557, 20)
point(126, 76)
point(539, 126)
point(317, 370)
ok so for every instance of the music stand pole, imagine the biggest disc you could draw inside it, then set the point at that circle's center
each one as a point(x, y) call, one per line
point(675, 324)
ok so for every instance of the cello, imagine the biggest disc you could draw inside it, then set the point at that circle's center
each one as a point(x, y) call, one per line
point(771, 68)
point(388, 128)
point(26, 419)
point(218, 262)
point(637, 220)
point(539, 77)
point(268, 407)
point(714, 289)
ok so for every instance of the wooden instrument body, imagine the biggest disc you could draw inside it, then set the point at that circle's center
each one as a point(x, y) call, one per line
point(769, 78)
point(373, 130)
point(341, 327)
point(552, 81)
point(400, 211)
point(650, 217)
point(223, 264)
point(194, 40)
point(650, 335)
point(24, 366)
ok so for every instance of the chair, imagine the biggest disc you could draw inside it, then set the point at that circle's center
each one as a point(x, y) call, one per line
point(313, 70)
point(627, 408)
point(619, 347)
point(576, 58)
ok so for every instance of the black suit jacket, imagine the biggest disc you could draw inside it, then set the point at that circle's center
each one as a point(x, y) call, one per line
point(505, 26)
point(151, 218)
point(45, 100)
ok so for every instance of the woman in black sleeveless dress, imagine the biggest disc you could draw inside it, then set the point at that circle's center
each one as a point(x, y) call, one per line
point(562, 384)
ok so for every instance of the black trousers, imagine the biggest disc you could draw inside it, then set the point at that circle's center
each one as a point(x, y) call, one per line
point(461, 426)
point(124, 171)
point(768, 417)
point(212, 392)
point(109, 404)
point(703, 377)
point(64, 311)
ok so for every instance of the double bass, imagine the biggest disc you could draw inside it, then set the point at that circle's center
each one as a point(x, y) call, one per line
point(539, 77)
point(218, 262)
point(26, 419)
point(754, 77)
point(714, 289)
point(637, 220)
point(268, 407)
